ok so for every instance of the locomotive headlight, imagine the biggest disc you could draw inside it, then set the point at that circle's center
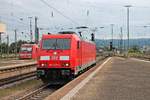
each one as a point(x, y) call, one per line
point(55, 53)
point(42, 65)
point(67, 64)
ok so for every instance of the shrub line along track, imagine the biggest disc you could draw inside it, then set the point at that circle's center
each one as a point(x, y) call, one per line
point(44, 90)
point(11, 75)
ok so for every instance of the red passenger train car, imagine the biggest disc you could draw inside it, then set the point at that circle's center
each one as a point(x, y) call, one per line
point(64, 55)
point(28, 51)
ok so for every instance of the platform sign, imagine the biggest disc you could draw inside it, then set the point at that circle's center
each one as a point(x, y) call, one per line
point(2, 27)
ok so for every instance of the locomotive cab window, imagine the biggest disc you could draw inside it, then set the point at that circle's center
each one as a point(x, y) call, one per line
point(61, 44)
point(26, 49)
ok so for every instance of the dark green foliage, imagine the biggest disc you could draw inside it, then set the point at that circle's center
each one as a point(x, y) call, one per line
point(4, 48)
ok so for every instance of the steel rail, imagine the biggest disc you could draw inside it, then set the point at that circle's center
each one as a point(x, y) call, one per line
point(11, 81)
point(34, 93)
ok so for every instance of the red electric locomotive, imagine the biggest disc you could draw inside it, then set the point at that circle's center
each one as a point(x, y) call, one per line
point(64, 55)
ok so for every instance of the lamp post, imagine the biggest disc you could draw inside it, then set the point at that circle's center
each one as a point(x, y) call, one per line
point(121, 39)
point(103, 37)
point(7, 45)
point(112, 33)
point(128, 29)
point(16, 42)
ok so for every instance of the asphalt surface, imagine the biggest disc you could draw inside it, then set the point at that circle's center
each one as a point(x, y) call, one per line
point(119, 79)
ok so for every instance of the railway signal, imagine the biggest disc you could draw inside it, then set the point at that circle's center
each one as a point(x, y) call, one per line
point(92, 37)
point(111, 46)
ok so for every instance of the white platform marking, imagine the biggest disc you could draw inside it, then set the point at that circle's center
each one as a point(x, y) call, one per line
point(72, 92)
point(140, 60)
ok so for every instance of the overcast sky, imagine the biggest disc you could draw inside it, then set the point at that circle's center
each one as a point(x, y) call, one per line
point(101, 13)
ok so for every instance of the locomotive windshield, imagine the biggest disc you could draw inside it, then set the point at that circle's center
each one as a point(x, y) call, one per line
point(62, 44)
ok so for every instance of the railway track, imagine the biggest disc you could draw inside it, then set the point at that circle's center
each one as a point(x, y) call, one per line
point(8, 82)
point(12, 75)
point(40, 93)
point(14, 70)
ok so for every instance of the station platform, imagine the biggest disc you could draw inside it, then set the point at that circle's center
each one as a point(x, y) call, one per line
point(119, 79)
point(12, 62)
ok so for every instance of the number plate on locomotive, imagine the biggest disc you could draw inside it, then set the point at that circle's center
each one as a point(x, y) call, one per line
point(54, 58)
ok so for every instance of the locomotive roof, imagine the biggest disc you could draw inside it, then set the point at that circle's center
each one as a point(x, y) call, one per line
point(67, 32)
point(57, 35)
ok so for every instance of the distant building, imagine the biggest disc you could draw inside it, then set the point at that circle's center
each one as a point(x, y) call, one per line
point(2, 28)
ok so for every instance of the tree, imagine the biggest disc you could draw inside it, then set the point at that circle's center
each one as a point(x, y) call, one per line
point(4, 47)
point(12, 46)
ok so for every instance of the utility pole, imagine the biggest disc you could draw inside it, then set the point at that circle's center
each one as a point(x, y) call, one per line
point(88, 18)
point(128, 30)
point(2, 31)
point(103, 37)
point(15, 42)
point(1, 44)
point(121, 39)
point(31, 35)
point(36, 31)
point(7, 45)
